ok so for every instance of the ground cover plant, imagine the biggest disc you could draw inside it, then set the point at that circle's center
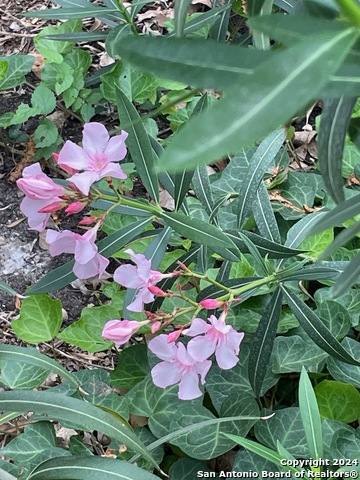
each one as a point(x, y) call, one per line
point(233, 306)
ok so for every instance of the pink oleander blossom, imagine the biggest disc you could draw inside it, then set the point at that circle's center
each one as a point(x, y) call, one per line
point(120, 331)
point(88, 262)
point(178, 366)
point(40, 192)
point(96, 159)
point(139, 277)
point(216, 337)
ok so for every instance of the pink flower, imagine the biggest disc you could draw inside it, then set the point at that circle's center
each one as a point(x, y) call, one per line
point(40, 192)
point(96, 159)
point(74, 207)
point(120, 331)
point(88, 262)
point(140, 277)
point(219, 338)
point(178, 366)
point(211, 303)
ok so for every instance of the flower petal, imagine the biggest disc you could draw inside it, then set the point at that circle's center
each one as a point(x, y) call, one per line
point(189, 387)
point(126, 275)
point(83, 181)
point(201, 348)
point(116, 149)
point(165, 374)
point(197, 327)
point(95, 138)
point(61, 242)
point(72, 156)
point(162, 349)
point(30, 208)
point(225, 356)
point(112, 170)
point(84, 250)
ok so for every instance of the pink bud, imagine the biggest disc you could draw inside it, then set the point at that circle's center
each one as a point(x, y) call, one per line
point(120, 331)
point(75, 207)
point(155, 327)
point(210, 303)
point(56, 156)
point(173, 336)
point(157, 291)
point(88, 220)
point(53, 207)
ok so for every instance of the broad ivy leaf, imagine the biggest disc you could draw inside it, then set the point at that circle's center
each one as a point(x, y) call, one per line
point(133, 367)
point(18, 67)
point(16, 375)
point(54, 50)
point(246, 461)
point(46, 133)
point(344, 372)
point(338, 401)
point(291, 353)
point(335, 317)
point(287, 428)
point(40, 319)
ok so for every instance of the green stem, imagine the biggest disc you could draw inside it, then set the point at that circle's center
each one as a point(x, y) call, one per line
point(154, 209)
point(351, 10)
point(126, 16)
point(256, 283)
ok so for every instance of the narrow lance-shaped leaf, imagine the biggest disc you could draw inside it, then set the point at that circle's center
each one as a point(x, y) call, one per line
point(188, 61)
point(183, 179)
point(310, 416)
point(65, 13)
point(263, 342)
point(341, 239)
point(6, 475)
point(315, 328)
point(201, 21)
point(258, 165)
point(264, 215)
point(181, 10)
point(336, 217)
point(221, 26)
point(88, 468)
point(78, 412)
point(6, 288)
point(270, 97)
point(201, 185)
point(139, 145)
point(335, 118)
point(198, 231)
point(31, 356)
point(349, 277)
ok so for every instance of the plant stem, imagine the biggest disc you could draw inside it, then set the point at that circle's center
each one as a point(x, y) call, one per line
point(351, 10)
point(126, 16)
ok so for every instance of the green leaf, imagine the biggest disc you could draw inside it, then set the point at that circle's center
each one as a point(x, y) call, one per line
point(260, 450)
point(33, 357)
point(286, 427)
point(264, 215)
point(89, 468)
point(246, 461)
point(86, 332)
point(291, 353)
point(43, 99)
point(341, 239)
point(335, 317)
point(349, 277)
point(36, 439)
point(263, 341)
point(202, 187)
point(309, 273)
point(65, 13)
point(236, 380)
point(18, 67)
point(188, 61)
point(181, 10)
point(40, 319)
point(52, 50)
point(258, 165)
point(78, 412)
point(316, 244)
point(315, 328)
point(199, 23)
point(188, 468)
point(338, 401)
point(310, 416)
point(204, 441)
point(133, 367)
point(139, 145)
point(343, 372)
point(342, 212)
point(243, 118)
point(87, 36)
point(62, 276)
point(334, 122)
point(199, 231)
point(4, 65)
point(18, 376)
point(6, 288)
point(46, 133)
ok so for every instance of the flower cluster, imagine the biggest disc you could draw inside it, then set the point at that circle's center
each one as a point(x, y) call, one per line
point(183, 365)
point(97, 158)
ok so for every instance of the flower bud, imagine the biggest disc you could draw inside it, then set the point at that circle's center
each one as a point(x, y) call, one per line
point(120, 331)
point(157, 291)
point(155, 327)
point(75, 207)
point(211, 303)
point(173, 336)
point(52, 207)
point(88, 220)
